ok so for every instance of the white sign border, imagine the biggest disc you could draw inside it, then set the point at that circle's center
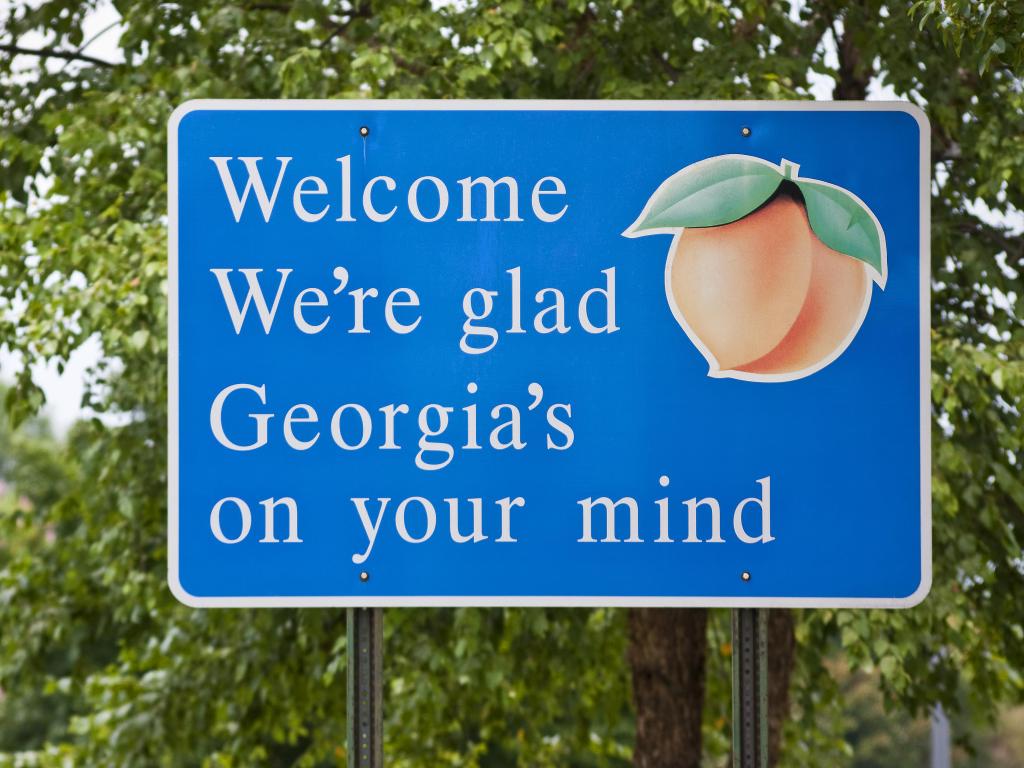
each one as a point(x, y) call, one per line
point(529, 105)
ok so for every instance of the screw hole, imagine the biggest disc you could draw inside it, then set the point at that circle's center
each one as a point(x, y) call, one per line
point(745, 131)
point(745, 575)
point(364, 131)
point(364, 576)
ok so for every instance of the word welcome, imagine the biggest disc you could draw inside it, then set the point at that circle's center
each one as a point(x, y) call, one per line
point(427, 197)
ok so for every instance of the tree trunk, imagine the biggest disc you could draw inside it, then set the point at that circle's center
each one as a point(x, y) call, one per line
point(781, 659)
point(667, 654)
point(854, 72)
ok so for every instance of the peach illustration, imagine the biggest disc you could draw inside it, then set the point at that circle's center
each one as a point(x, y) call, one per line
point(769, 275)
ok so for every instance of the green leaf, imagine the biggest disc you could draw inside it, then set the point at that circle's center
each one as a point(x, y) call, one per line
point(139, 338)
point(709, 193)
point(888, 666)
point(845, 224)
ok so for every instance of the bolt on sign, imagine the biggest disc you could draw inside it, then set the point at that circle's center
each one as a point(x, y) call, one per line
point(549, 353)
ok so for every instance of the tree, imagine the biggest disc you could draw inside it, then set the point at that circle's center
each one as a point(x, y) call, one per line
point(33, 477)
point(82, 253)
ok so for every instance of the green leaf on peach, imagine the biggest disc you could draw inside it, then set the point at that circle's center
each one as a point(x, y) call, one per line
point(843, 223)
point(709, 193)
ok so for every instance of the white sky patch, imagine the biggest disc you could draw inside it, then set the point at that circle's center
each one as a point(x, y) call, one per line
point(64, 391)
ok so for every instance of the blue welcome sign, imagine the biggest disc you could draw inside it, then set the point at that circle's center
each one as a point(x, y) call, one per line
point(548, 353)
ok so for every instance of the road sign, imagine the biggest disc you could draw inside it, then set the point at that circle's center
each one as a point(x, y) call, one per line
point(548, 353)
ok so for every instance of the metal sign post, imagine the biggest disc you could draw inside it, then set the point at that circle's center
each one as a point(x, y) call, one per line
point(749, 688)
point(942, 746)
point(365, 690)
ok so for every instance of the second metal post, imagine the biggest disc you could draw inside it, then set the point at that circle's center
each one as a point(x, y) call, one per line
point(749, 688)
point(365, 688)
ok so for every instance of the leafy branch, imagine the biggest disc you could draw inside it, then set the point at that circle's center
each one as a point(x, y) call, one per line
point(53, 53)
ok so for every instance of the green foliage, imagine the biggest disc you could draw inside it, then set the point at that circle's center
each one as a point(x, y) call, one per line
point(143, 680)
point(992, 28)
point(881, 738)
point(34, 475)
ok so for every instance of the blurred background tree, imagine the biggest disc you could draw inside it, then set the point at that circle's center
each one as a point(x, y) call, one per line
point(33, 477)
point(101, 667)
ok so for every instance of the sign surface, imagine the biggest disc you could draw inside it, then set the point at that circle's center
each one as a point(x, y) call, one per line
point(548, 353)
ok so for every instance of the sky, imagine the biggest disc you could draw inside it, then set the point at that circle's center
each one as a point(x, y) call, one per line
point(64, 390)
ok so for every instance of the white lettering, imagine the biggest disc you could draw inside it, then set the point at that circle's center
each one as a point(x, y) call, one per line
point(538, 207)
point(255, 295)
point(290, 418)
point(428, 511)
point(766, 515)
point(217, 425)
point(269, 505)
point(371, 212)
point(369, 527)
point(298, 315)
point(489, 185)
point(319, 188)
point(254, 183)
point(442, 202)
point(610, 509)
point(243, 509)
